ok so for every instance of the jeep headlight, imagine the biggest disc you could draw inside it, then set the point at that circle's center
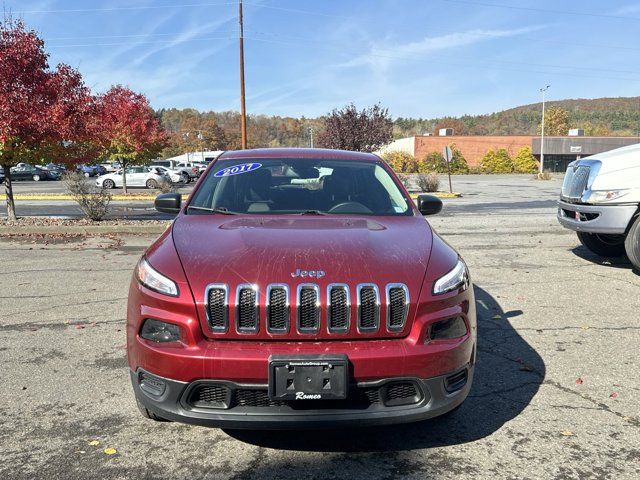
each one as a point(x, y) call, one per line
point(599, 196)
point(456, 278)
point(154, 280)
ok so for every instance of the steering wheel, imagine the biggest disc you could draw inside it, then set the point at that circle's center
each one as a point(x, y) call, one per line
point(349, 207)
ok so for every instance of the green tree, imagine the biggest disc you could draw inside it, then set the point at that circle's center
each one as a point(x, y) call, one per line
point(556, 122)
point(524, 161)
point(497, 162)
point(435, 162)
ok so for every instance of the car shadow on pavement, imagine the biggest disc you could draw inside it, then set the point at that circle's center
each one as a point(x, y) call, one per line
point(614, 262)
point(508, 374)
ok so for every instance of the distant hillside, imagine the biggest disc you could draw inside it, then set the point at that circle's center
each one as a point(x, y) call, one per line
point(599, 116)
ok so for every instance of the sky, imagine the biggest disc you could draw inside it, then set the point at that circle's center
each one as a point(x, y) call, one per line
point(418, 58)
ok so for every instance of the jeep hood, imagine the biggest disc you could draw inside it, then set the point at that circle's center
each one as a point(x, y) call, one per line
point(264, 250)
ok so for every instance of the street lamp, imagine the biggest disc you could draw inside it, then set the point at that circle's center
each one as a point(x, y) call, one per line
point(543, 91)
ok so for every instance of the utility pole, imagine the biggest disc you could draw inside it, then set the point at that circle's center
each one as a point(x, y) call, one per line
point(243, 113)
point(543, 91)
point(311, 137)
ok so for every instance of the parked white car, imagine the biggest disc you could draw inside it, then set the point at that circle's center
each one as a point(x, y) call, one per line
point(600, 200)
point(174, 175)
point(136, 177)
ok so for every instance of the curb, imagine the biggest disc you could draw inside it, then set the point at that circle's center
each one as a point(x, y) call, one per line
point(81, 229)
point(63, 196)
point(437, 194)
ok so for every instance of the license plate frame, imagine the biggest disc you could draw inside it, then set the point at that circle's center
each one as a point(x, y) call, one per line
point(308, 377)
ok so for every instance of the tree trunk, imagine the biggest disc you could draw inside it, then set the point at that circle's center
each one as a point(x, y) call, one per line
point(124, 175)
point(8, 190)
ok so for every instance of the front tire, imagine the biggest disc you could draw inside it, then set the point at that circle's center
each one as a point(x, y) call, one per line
point(604, 245)
point(632, 243)
point(36, 178)
point(109, 184)
point(151, 183)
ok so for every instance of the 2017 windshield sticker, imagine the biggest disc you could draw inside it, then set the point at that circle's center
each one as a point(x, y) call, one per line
point(237, 169)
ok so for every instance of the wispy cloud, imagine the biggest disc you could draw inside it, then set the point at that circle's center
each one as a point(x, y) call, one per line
point(628, 9)
point(381, 57)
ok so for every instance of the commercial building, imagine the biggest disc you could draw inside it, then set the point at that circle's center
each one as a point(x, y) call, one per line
point(558, 151)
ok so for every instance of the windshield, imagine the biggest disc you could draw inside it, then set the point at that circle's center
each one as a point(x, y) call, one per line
point(299, 186)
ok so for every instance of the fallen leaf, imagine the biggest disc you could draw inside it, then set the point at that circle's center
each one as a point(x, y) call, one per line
point(79, 327)
point(93, 443)
point(110, 451)
point(566, 433)
point(578, 381)
point(585, 327)
point(613, 395)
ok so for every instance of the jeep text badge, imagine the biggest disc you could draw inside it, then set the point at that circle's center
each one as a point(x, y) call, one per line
point(308, 273)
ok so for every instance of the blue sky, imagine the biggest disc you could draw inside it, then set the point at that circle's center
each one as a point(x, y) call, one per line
point(420, 58)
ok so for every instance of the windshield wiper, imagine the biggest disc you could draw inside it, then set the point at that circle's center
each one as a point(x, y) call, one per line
point(312, 212)
point(221, 210)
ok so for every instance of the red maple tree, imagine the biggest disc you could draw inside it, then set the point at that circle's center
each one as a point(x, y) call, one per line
point(43, 112)
point(130, 132)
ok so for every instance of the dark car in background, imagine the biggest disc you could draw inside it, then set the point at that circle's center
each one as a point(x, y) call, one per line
point(25, 171)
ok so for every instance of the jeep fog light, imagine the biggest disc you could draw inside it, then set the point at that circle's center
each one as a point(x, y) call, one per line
point(160, 332)
point(448, 329)
point(457, 277)
point(154, 280)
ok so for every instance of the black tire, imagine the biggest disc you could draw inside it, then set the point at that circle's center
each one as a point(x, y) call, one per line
point(151, 183)
point(146, 413)
point(109, 184)
point(87, 174)
point(604, 245)
point(632, 244)
point(36, 177)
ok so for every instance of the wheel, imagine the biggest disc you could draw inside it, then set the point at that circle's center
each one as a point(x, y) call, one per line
point(148, 413)
point(108, 184)
point(151, 183)
point(602, 244)
point(632, 243)
point(36, 178)
point(87, 174)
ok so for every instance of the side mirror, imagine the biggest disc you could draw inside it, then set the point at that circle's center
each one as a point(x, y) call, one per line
point(429, 205)
point(168, 203)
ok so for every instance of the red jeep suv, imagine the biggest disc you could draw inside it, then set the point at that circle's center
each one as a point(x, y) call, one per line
point(300, 288)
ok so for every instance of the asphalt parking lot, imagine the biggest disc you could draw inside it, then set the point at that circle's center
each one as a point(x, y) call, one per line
point(556, 393)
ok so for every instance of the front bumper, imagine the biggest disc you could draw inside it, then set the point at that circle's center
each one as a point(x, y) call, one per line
point(171, 399)
point(610, 219)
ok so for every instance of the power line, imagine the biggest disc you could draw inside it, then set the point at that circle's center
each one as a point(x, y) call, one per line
point(542, 10)
point(155, 42)
point(116, 9)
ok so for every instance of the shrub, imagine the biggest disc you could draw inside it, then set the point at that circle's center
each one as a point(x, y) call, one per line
point(524, 161)
point(435, 162)
point(401, 162)
point(497, 162)
point(165, 186)
point(404, 179)
point(94, 201)
point(428, 182)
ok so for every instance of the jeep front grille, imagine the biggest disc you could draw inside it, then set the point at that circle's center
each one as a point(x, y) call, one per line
point(368, 308)
point(247, 308)
point(278, 308)
point(217, 307)
point(298, 308)
point(338, 308)
point(397, 306)
point(308, 308)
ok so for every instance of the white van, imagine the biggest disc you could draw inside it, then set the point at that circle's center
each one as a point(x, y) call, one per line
point(600, 200)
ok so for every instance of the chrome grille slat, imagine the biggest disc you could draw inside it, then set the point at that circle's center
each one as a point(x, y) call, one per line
point(338, 308)
point(575, 182)
point(247, 317)
point(277, 307)
point(368, 308)
point(217, 307)
point(308, 308)
point(397, 306)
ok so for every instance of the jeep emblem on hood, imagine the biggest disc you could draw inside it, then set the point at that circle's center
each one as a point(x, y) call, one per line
point(308, 273)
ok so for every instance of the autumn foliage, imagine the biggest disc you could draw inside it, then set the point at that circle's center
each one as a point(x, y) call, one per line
point(49, 115)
